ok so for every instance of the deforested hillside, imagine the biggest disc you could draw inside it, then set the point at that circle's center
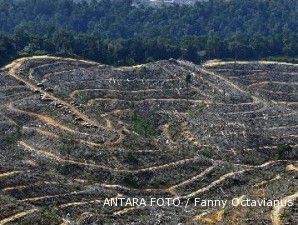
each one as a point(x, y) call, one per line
point(75, 133)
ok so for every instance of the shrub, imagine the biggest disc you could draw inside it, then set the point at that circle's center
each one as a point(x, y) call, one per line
point(138, 180)
point(130, 158)
point(206, 152)
point(283, 151)
point(132, 180)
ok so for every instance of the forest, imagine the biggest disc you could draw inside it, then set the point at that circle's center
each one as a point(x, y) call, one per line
point(117, 33)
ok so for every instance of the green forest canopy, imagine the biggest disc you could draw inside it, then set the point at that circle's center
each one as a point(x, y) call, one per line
point(114, 32)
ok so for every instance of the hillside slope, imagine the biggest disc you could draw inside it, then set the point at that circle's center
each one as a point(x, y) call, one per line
point(76, 132)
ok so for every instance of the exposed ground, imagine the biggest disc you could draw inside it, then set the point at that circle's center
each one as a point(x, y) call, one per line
point(75, 132)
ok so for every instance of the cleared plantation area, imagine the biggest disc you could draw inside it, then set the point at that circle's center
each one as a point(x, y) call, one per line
point(276, 81)
point(75, 132)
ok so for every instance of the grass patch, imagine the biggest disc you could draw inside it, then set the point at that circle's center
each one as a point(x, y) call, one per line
point(143, 126)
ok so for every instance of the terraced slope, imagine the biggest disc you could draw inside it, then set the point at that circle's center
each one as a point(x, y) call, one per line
point(74, 133)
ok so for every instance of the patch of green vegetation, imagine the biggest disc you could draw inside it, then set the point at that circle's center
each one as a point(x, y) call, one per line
point(253, 157)
point(207, 152)
point(187, 150)
point(143, 126)
point(14, 137)
point(131, 158)
point(51, 216)
point(283, 151)
point(138, 180)
point(236, 98)
point(82, 97)
point(68, 143)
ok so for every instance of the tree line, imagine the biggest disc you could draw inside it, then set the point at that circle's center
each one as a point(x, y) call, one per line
point(116, 33)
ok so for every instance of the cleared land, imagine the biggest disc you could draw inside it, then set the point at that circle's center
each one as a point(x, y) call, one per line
point(76, 132)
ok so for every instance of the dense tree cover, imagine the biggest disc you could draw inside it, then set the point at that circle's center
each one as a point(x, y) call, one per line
point(114, 32)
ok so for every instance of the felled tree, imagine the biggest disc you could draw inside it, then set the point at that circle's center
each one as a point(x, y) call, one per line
point(187, 80)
